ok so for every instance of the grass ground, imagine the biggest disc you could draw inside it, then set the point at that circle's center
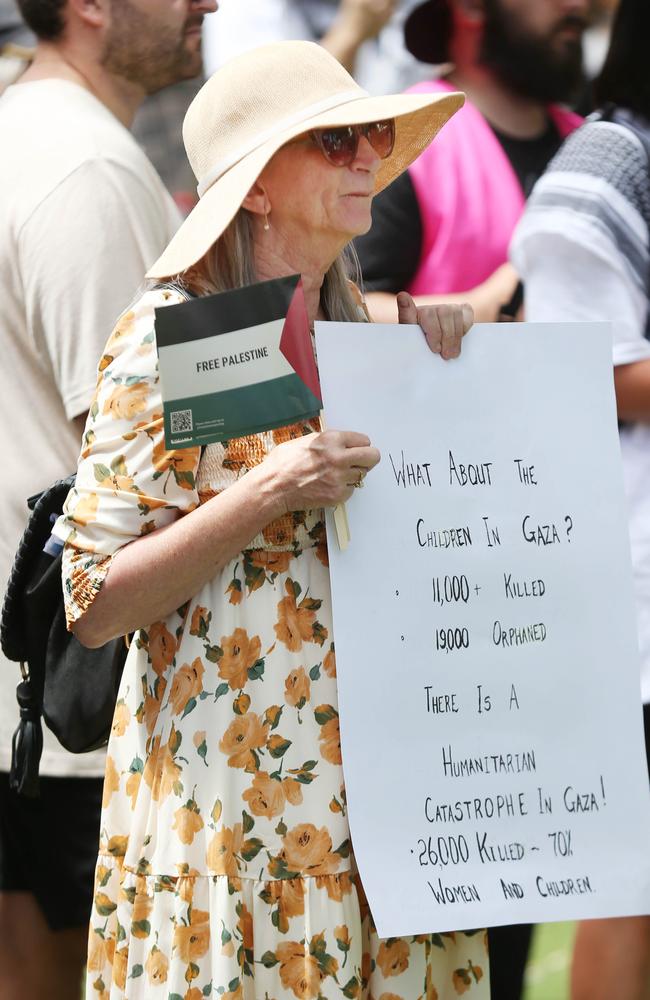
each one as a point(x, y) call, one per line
point(547, 973)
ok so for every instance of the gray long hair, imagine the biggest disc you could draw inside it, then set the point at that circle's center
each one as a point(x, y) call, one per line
point(230, 263)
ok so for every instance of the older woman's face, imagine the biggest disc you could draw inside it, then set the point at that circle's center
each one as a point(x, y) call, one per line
point(311, 198)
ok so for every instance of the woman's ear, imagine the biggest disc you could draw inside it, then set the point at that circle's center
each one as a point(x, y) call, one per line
point(257, 200)
point(93, 13)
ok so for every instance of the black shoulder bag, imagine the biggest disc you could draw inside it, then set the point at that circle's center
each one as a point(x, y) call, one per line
point(72, 688)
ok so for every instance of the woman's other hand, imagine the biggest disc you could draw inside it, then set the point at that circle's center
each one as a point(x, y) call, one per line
point(443, 326)
point(318, 470)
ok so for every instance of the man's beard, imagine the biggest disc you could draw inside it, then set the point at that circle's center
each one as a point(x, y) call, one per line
point(531, 66)
point(146, 53)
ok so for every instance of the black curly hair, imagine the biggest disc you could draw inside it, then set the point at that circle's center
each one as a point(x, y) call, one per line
point(625, 79)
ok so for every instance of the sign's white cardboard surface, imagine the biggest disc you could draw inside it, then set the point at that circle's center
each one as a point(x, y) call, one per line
point(485, 634)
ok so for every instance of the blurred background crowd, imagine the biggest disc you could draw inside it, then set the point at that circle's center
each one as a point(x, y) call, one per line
point(470, 220)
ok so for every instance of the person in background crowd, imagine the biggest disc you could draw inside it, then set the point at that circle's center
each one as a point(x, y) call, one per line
point(366, 36)
point(583, 250)
point(157, 127)
point(82, 214)
point(595, 46)
point(16, 44)
point(443, 230)
point(597, 36)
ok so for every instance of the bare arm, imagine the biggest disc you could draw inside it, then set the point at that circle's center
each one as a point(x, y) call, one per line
point(356, 21)
point(486, 299)
point(158, 573)
point(632, 386)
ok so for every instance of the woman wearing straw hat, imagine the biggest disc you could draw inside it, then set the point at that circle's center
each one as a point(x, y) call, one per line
point(225, 865)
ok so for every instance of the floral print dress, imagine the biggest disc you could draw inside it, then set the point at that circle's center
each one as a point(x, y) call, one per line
point(225, 866)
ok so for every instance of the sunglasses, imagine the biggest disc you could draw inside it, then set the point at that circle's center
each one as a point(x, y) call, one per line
point(339, 145)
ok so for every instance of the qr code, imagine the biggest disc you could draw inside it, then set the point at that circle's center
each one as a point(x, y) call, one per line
point(181, 421)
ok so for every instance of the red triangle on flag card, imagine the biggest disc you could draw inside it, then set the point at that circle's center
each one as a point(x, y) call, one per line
point(296, 344)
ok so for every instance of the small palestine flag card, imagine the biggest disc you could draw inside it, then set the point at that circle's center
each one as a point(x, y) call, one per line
point(236, 363)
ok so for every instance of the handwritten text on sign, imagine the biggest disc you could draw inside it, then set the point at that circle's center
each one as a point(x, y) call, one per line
point(485, 635)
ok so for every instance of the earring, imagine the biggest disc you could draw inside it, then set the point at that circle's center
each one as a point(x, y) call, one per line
point(267, 224)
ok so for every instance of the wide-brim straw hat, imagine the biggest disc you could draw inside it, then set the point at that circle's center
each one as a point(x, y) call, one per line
point(263, 99)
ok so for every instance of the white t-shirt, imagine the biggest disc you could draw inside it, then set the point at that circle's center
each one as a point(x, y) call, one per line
point(383, 64)
point(83, 214)
point(582, 250)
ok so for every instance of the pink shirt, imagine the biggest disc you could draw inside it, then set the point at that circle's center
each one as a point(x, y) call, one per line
point(470, 199)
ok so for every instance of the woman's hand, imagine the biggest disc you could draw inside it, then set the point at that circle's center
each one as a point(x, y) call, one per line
point(443, 326)
point(318, 470)
point(365, 18)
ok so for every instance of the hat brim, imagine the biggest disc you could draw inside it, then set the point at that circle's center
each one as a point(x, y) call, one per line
point(418, 119)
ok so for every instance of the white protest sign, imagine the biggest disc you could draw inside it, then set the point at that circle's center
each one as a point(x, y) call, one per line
point(486, 645)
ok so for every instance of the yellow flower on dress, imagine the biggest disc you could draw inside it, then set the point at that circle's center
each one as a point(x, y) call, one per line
point(289, 895)
point(292, 791)
point(244, 735)
point(151, 706)
point(117, 846)
point(121, 718)
point(133, 786)
point(330, 741)
point(126, 401)
point(299, 970)
point(266, 796)
point(245, 927)
point(156, 966)
point(308, 850)
point(120, 967)
point(162, 647)
point(336, 887)
point(181, 464)
point(244, 452)
point(233, 994)
point(430, 992)
point(223, 849)
point(142, 906)
point(239, 654)
point(200, 621)
point(295, 624)
point(393, 957)
point(100, 951)
point(187, 823)
point(111, 781)
point(86, 510)
point(329, 663)
point(160, 771)
point(192, 941)
point(187, 683)
point(464, 979)
point(297, 688)
point(278, 532)
point(270, 561)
